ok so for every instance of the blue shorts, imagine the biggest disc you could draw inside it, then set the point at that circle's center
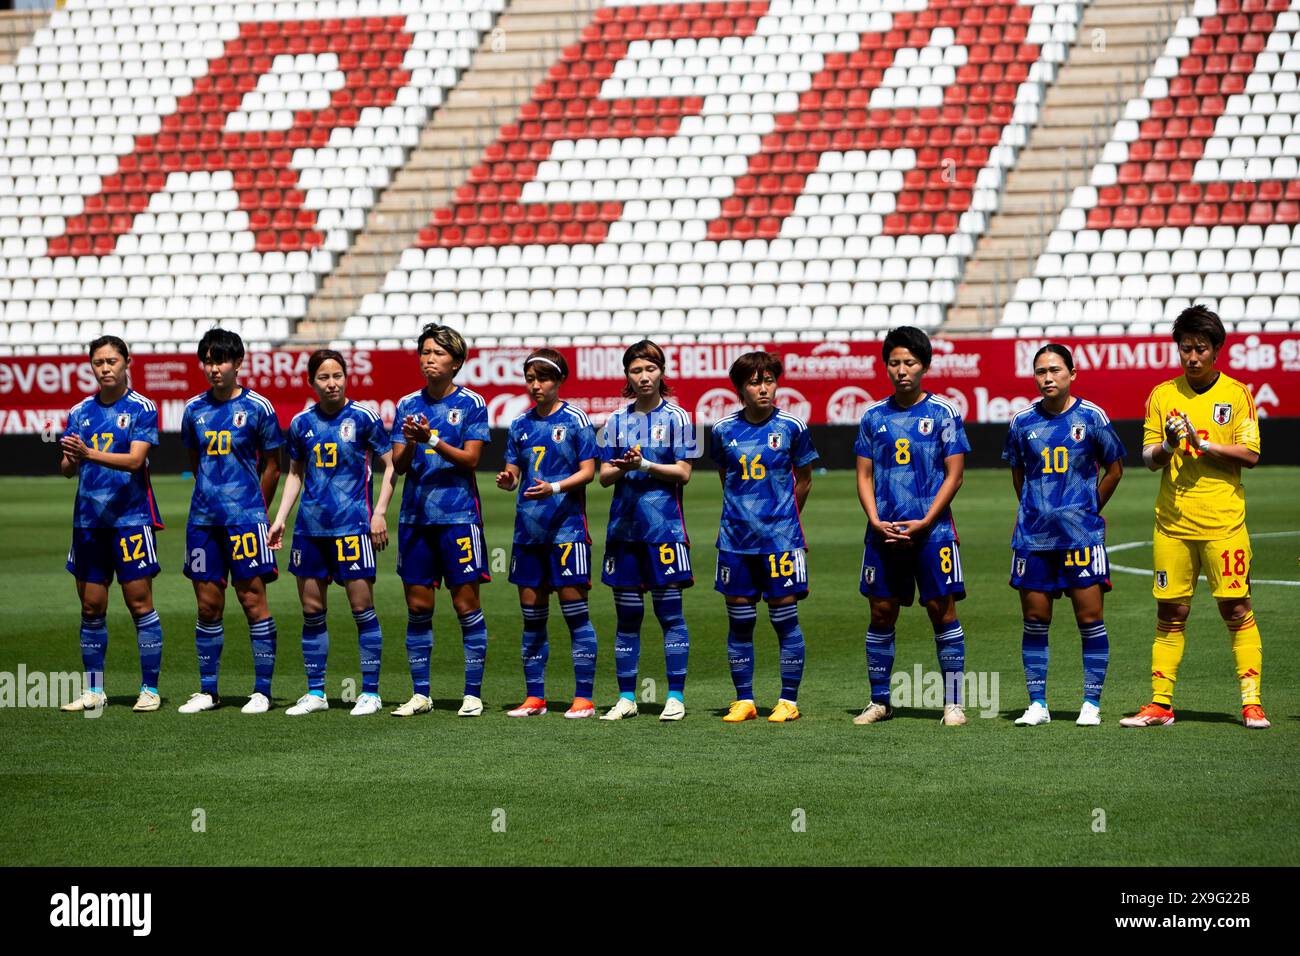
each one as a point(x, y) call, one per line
point(638, 564)
point(563, 565)
point(340, 558)
point(235, 551)
point(428, 554)
point(771, 576)
point(1060, 570)
point(99, 553)
point(932, 568)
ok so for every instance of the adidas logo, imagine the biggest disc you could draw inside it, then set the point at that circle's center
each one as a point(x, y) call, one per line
point(310, 434)
point(142, 564)
point(788, 583)
point(1234, 586)
point(732, 444)
point(1082, 574)
point(355, 567)
point(881, 430)
point(948, 580)
point(567, 572)
point(1033, 434)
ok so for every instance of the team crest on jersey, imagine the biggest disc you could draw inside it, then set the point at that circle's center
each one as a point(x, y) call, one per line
point(1222, 413)
point(1162, 579)
point(774, 440)
point(453, 417)
point(558, 433)
point(1078, 431)
point(123, 420)
point(1020, 567)
point(659, 433)
point(348, 431)
point(239, 419)
point(925, 426)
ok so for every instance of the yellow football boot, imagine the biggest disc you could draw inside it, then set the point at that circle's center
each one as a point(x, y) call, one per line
point(783, 711)
point(740, 711)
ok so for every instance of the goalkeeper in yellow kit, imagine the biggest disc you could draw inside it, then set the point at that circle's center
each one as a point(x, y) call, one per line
point(1201, 428)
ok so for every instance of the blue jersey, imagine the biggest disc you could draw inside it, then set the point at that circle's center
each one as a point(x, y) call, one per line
point(759, 512)
point(336, 452)
point(907, 447)
point(550, 449)
point(436, 491)
point(644, 508)
point(109, 497)
point(1060, 455)
point(229, 436)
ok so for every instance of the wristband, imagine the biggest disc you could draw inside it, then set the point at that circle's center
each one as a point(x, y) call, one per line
point(1170, 449)
point(644, 466)
point(555, 488)
point(434, 440)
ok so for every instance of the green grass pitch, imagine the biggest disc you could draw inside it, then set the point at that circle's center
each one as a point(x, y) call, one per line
point(329, 789)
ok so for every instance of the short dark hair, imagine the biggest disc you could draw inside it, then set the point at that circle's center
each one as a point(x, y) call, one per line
point(445, 337)
point(320, 357)
point(750, 364)
point(647, 350)
point(112, 340)
point(550, 364)
point(1198, 320)
point(1057, 348)
point(220, 345)
point(911, 338)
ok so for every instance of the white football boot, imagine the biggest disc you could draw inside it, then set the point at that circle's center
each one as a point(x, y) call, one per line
point(1089, 715)
point(147, 702)
point(308, 704)
point(199, 702)
point(953, 716)
point(259, 703)
point(418, 704)
point(471, 706)
point(623, 708)
point(1034, 715)
point(674, 709)
point(90, 700)
point(366, 705)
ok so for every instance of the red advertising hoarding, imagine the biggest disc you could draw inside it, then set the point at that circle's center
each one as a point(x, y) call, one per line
point(988, 380)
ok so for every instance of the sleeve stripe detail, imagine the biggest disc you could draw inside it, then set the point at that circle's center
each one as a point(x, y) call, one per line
point(1096, 408)
point(793, 418)
point(473, 396)
point(944, 404)
point(141, 400)
point(410, 396)
point(260, 400)
point(364, 409)
point(1023, 411)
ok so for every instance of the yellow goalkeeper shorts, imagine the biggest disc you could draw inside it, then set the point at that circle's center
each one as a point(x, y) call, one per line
point(1179, 562)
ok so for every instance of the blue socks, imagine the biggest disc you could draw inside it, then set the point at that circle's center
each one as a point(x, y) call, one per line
point(785, 621)
point(209, 640)
point(262, 635)
point(741, 619)
point(94, 643)
point(584, 646)
point(473, 630)
point(677, 640)
point(880, 662)
point(1096, 657)
point(148, 639)
point(950, 643)
point(371, 639)
point(315, 651)
point(535, 649)
point(419, 648)
point(629, 605)
point(1034, 654)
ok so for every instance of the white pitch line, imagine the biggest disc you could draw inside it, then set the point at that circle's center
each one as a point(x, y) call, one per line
point(1130, 545)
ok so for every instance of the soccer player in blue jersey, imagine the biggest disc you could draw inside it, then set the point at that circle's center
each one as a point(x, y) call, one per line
point(233, 441)
point(106, 446)
point(438, 439)
point(1056, 448)
point(764, 458)
point(335, 537)
point(551, 458)
point(646, 451)
point(911, 450)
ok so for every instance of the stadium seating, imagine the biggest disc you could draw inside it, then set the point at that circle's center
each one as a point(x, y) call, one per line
point(165, 163)
point(816, 168)
point(1196, 197)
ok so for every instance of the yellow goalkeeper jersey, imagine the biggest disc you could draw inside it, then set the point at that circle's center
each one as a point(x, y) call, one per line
point(1202, 499)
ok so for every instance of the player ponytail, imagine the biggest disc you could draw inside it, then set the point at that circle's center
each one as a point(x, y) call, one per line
point(1057, 349)
point(649, 352)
